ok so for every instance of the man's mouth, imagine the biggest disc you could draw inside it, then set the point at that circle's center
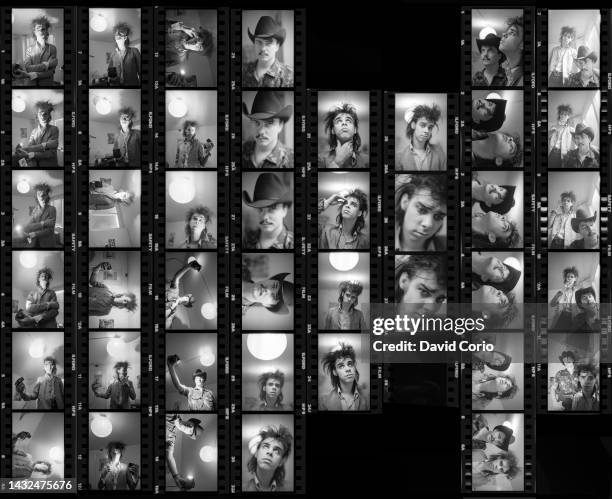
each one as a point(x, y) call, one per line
point(420, 234)
point(267, 460)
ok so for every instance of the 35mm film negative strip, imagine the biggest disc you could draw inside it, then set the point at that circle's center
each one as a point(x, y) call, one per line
point(39, 383)
point(421, 157)
point(267, 249)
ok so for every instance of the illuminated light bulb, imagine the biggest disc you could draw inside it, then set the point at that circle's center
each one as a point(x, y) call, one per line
point(177, 107)
point(208, 453)
point(207, 357)
point(344, 261)
point(209, 311)
point(182, 72)
point(182, 190)
point(18, 228)
point(103, 105)
point(28, 259)
point(266, 346)
point(37, 349)
point(189, 477)
point(18, 104)
point(101, 426)
point(56, 454)
point(98, 23)
point(116, 347)
point(23, 186)
point(493, 95)
point(488, 30)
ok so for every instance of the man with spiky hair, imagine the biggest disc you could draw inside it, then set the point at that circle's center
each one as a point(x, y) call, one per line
point(41, 305)
point(40, 230)
point(511, 45)
point(348, 231)
point(41, 150)
point(41, 58)
point(344, 141)
point(124, 64)
point(269, 450)
point(102, 300)
point(196, 231)
point(127, 140)
point(191, 152)
point(271, 392)
point(120, 391)
point(344, 315)
point(421, 154)
point(116, 474)
point(48, 391)
point(341, 366)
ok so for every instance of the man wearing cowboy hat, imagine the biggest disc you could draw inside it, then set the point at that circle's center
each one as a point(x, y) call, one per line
point(564, 384)
point(269, 450)
point(585, 224)
point(173, 293)
point(488, 269)
point(585, 155)
point(275, 293)
point(267, 70)
point(268, 116)
point(272, 200)
point(488, 115)
point(492, 75)
point(588, 75)
point(199, 398)
point(588, 319)
point(192, 428)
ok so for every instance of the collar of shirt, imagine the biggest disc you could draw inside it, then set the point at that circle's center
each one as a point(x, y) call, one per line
point(276, 156)
point(352, 236)
point(275, 70)
point(342, 397)
point(280, 240)
point(513, 73)
point(258, 485)
point(414, 151)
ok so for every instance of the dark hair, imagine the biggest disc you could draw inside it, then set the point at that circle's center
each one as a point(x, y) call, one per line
point(505, 365)
point(568, 270)
point(565, 355)
point(130, 112)
point(124, 28)
point(45, 105)
point(329, 363)
point(281, 434)
point(263, 379)
point(111, 446)
point(362, 199)
point(344, 108)
point(568, 30)
point(45, 189)
point(517, 158)
point(430, 113)
point(51, 359)
point(482, 240)
point(433, 263)
point(564, 109)
point(508, 394)
point(45, 270)
point(501, 318)
point(436, 184)
point(588, 368)
point(506, 205)
point(515, 21)
point(120, 364)
point(188, 123)
point(512, 459)
point(200, 209)
point(130, 305)
point(352, 286)
point(43, 21)
point(570, 195)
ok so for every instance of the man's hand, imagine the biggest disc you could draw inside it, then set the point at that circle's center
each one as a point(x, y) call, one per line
point(343, 152)
point(172, 359)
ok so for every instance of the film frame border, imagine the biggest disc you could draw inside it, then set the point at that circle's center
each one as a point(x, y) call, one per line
point(160, 252)
point(146, 482)
point(235, 172)
point(542, 214)
point(69, 332)
point(389, 252)
point(310, 243)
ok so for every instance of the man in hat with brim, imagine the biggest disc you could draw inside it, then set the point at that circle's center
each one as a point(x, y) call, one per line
point(267, 70)
point(501, 437)
point(275, 294)
point(199, 398)
point(488, 269)
point(488, 115)
point(192, 428)
point(588, 319)
point(564, 384)
point(173, 291)
point(268, 116)
point(492, 75)
point(585, 224)
point(585, 155)
point(588, 76)
point(272, 200)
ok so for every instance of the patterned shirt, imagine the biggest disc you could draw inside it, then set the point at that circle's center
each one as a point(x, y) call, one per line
point(499, 79)
point(514, 75)
point(200, 400)
point(36, 56)
point(433, 159)
point(335, 400)
point(129, 145)
point(572, 159)
point(43, 143)
point(280, 157)
point(285, 240)
point(207, 240)
point(277, 75)
point(575, 80)
point(560, 226)
point(567, 385)
point(190, 154)
point(48, 392)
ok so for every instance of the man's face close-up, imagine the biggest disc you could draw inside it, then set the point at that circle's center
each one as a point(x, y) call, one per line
point(48, 367)
point(496, 271)
point(587, 380)
point(512, 39)
point(272, 388)
point(345, 369)
point(266, 131)
point(494, 194)
point(40, 197)
point(489, 55)
point(269, 455)
point(423, 288)
point(43, 281)
point(271, 217)
point(125, 120)
point(423, 129)
point(197, 221)
point(344, 127)
point(189, 132)
point(44, 116)
point(350, 209)
point(582, 141)
point(482, 110)
point(266, 292)
point(424, 215)
point(587, 229)
point(266, 49)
